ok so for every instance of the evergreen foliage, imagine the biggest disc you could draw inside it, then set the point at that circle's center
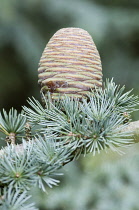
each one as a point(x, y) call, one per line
point(49, 143)
point(60, 132)
point(12, 122)
point(90, 125)
point(13, 200)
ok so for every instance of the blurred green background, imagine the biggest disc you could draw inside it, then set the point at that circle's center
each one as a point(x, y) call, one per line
point(107, 181)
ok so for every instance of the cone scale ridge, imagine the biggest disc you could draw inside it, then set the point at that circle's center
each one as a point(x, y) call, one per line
point(70, 64)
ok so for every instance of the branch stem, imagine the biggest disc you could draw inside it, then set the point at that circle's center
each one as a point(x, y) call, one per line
point(133, 127)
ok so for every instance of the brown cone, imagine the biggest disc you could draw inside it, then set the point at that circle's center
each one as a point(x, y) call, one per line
point(70, 64)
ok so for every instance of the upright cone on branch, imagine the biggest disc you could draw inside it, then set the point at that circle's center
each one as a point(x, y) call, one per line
point(70, 64)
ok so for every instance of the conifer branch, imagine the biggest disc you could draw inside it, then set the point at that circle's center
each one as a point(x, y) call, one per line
point(77, 117)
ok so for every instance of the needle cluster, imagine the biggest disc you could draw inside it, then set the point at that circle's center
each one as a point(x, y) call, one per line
point(50, 136)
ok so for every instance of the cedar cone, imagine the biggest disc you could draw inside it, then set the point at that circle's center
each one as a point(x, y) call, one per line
point(70, 64)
